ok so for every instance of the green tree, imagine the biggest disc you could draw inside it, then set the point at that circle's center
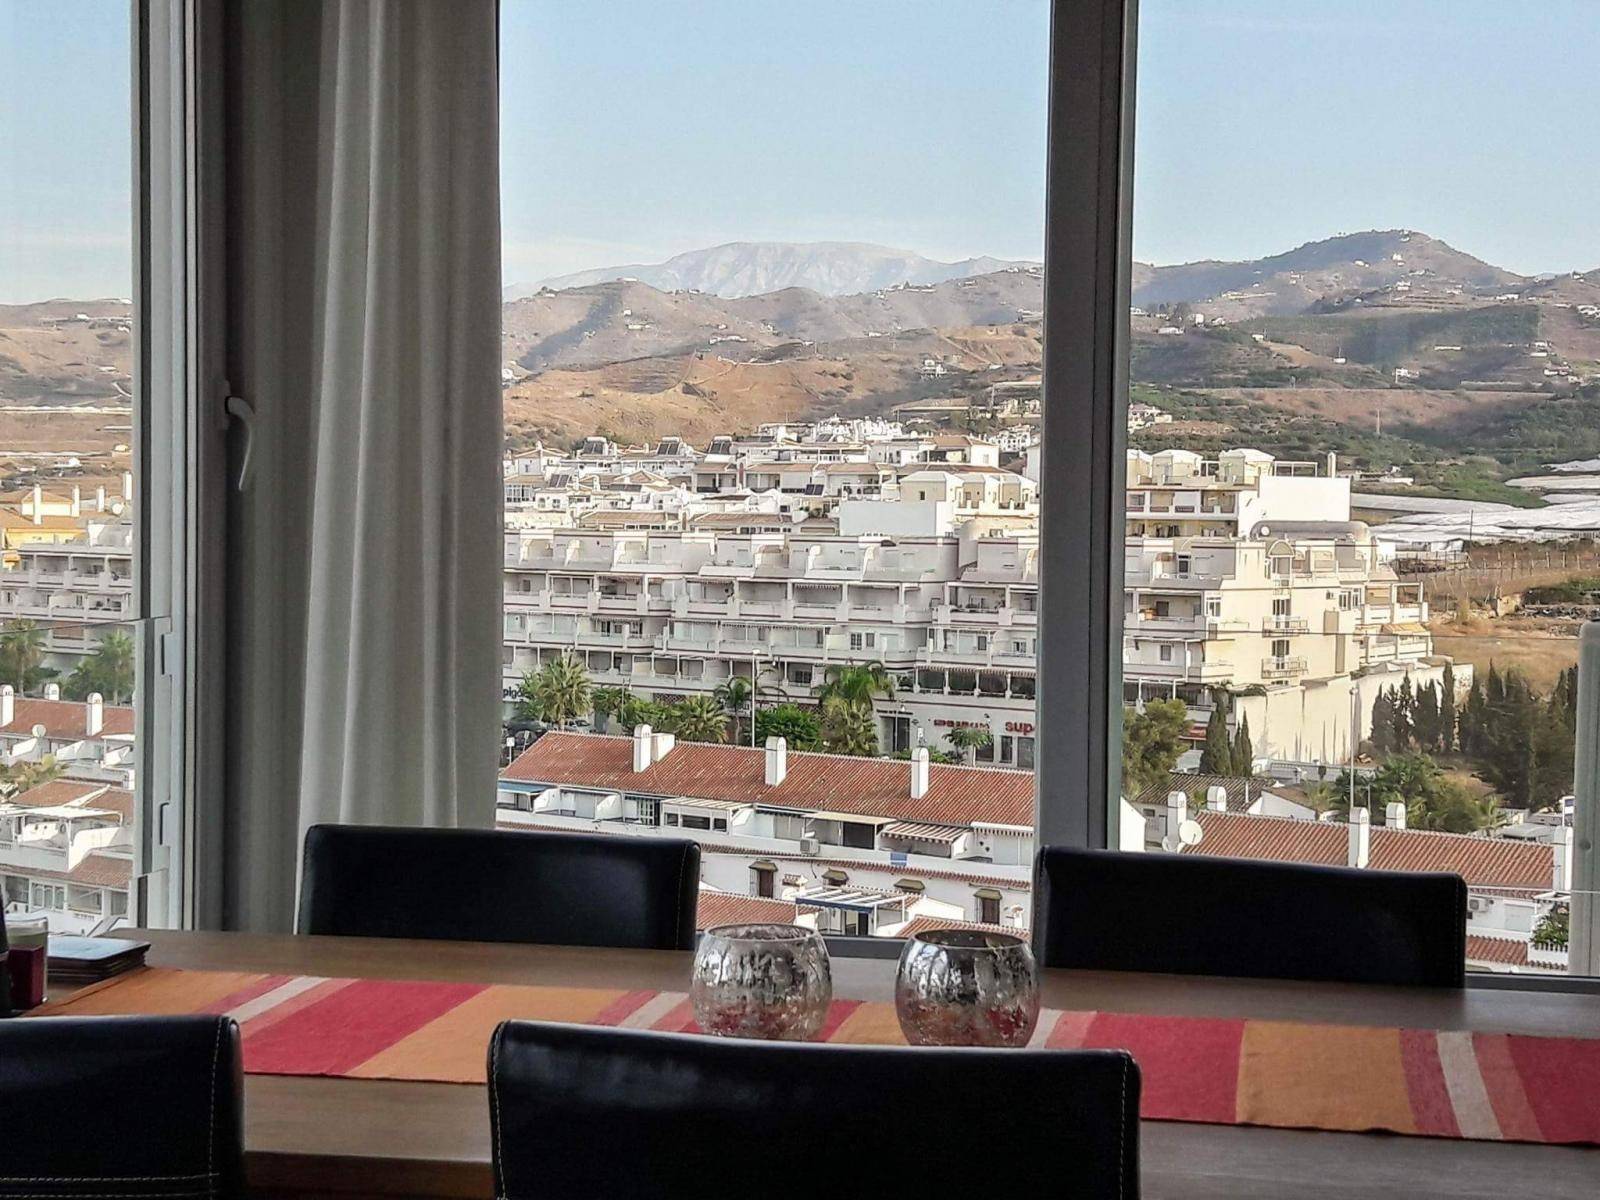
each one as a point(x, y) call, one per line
point(1404, 712)
point(558, 694)
point(1152, 742)
point(1216, 756)
point(1425, 719)
point(700, 719)
point(108, 670)
point(22, 656)
point(735, 694)
point(637, 710)
point(1383, 722)
point(1554, 929)
point(1447, 711)
point(968, 740)
point(798, 726)
point(606, 703)
point(849, 726)
point(857, 682)
point(20, 776)
point(1244, 750)
point(1431, 800)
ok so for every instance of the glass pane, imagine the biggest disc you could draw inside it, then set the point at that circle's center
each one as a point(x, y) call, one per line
point(772, 376)
point(1364, 423)
point(70, 632)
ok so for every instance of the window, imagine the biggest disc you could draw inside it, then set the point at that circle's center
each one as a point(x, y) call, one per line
point(987, 905)
point(1355, 650)
point(85, 478)
point(763, 876)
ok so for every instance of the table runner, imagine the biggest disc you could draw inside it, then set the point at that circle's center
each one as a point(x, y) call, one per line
point(1445, 1083)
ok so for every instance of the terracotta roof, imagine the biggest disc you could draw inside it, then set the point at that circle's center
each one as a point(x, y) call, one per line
point(868, 787)
point(1492, 862)
point(96, 870)
point(730, 908)
point(1195, 786)
point(924, 924)
point(1501, 951)
point(64, 719)
point(78, 792)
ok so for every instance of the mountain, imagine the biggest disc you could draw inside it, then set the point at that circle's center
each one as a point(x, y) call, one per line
point(1319, 273)
point(754, 268)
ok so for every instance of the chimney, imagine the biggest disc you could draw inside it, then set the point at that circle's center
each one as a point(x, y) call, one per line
point(1561, 851)
point(1333, 464)
point(100, 498)
point(1177, 813)
point(94, 714)
point(77, 501)
point(52, 691)
point(38, 505)
point(643, 745)
point(1394, 815)
point(1217, 798)
point(662, 745)
point(8, 704)
point(1360, 838)
point(127, 485)
point(777, 760)
point(919, 772)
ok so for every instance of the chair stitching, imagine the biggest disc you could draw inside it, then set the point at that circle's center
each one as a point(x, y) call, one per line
point(1122, 1131)
point(102, 1178)
point(677, 903)
point(211, 1112)
point(494, 1104)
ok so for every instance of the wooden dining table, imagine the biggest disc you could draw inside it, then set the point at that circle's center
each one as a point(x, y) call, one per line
point(355, 1138)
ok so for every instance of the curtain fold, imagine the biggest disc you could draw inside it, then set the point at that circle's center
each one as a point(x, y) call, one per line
point(364, 316)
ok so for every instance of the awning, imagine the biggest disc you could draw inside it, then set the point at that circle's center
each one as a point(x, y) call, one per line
point(946, 834)
point(1409, 627)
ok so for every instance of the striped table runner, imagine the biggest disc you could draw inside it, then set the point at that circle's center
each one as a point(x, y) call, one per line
point(1233, 1072)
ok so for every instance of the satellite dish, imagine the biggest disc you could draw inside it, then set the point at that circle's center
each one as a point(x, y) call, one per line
point(1190, 833)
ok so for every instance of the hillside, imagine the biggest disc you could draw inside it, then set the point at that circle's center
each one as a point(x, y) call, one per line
point(754, 268)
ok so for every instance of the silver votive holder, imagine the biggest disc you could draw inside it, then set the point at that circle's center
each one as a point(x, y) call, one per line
point(761, 981)
point(966, 987)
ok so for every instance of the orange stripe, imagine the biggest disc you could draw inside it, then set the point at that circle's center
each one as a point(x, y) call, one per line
point(1341, 1077)
point(870, 1025)
point(158, 991)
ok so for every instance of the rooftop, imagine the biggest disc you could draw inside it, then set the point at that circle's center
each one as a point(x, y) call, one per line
point(867, 787)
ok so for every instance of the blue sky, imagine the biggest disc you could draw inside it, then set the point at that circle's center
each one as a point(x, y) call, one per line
point(635, 129)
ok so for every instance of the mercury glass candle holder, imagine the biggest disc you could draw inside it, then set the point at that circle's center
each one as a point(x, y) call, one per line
point(761, 981)
point(965, 987)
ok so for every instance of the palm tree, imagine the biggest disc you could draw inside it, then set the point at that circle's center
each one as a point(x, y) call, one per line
point(22, 654)
point(857, 682)
point(560, 692)
point(969, 740)
point(700, 719)
point(109, 670)
point(607, 702)
point(734, 694)
point(849, 726)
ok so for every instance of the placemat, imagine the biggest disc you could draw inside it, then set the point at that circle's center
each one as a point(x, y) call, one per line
point(1444, 1083)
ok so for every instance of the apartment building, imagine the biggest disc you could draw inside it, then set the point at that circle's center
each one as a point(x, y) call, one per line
point(66, 848)
point(1246, 574)
point(939, 585)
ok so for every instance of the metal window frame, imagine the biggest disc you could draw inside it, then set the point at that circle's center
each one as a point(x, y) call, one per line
point(180, 457)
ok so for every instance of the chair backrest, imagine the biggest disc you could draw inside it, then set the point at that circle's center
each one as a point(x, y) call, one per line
point(567, 889)
point(1192, 914)
point(161, 1097)
point(635, 1115)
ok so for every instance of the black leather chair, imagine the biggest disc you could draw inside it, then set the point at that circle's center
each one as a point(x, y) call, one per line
point(634, 1115)
point(1190, 914)
point(107, 1107)
point(566, 889)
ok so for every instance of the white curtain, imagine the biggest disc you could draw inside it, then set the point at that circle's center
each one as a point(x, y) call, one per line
point(364, 325)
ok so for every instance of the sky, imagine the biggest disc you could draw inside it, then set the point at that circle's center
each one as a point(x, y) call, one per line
point(636, 129)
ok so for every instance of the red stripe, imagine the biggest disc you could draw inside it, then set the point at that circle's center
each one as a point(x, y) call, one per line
point(1561, 1078)
point(838, 1013)
point(623, 1007)
point(343, 1030)
point(1430, 1098)
point(678, 1019)
point(1190, 1065)
point(252, 991)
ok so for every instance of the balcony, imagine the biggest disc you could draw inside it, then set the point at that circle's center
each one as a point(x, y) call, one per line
point(1278, 624)
point(1283, 668)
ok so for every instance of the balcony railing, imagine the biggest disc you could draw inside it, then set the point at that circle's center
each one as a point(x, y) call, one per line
point(1279, 624)
point(1283, 668)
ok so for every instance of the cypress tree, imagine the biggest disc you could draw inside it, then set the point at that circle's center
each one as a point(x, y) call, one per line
point(1216, 757)
point(1404, 708)
point(1447, 711)
point(1425, 719)
point(1383, 722)
point(1244, 750)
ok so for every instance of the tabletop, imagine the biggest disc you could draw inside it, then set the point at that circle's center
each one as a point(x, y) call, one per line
point(367, 1138)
